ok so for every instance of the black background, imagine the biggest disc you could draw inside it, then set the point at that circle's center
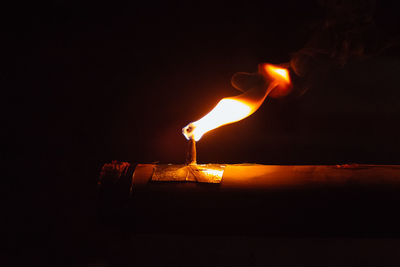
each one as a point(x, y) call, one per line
point(85, 83)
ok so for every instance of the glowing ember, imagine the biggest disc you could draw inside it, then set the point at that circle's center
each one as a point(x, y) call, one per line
point(236, 108)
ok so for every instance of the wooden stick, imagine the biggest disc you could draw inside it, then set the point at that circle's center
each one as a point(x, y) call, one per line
point(252, 199)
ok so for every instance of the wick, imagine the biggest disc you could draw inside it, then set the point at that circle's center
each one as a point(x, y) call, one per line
point(191, 152)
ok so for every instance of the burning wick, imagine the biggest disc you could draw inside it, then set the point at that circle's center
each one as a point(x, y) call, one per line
point(191, 153)
point(236, 108)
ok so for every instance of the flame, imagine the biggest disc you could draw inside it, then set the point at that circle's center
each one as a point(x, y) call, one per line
point(277, 73)
point(278, 77)
point(236, 108)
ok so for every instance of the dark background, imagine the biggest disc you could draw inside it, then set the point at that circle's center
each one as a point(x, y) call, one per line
point(85, 83)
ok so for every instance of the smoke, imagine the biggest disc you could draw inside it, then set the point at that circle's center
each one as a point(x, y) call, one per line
point(348, 32)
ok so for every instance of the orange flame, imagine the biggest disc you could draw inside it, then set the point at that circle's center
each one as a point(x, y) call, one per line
point(279, 78)
point(236, 108)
